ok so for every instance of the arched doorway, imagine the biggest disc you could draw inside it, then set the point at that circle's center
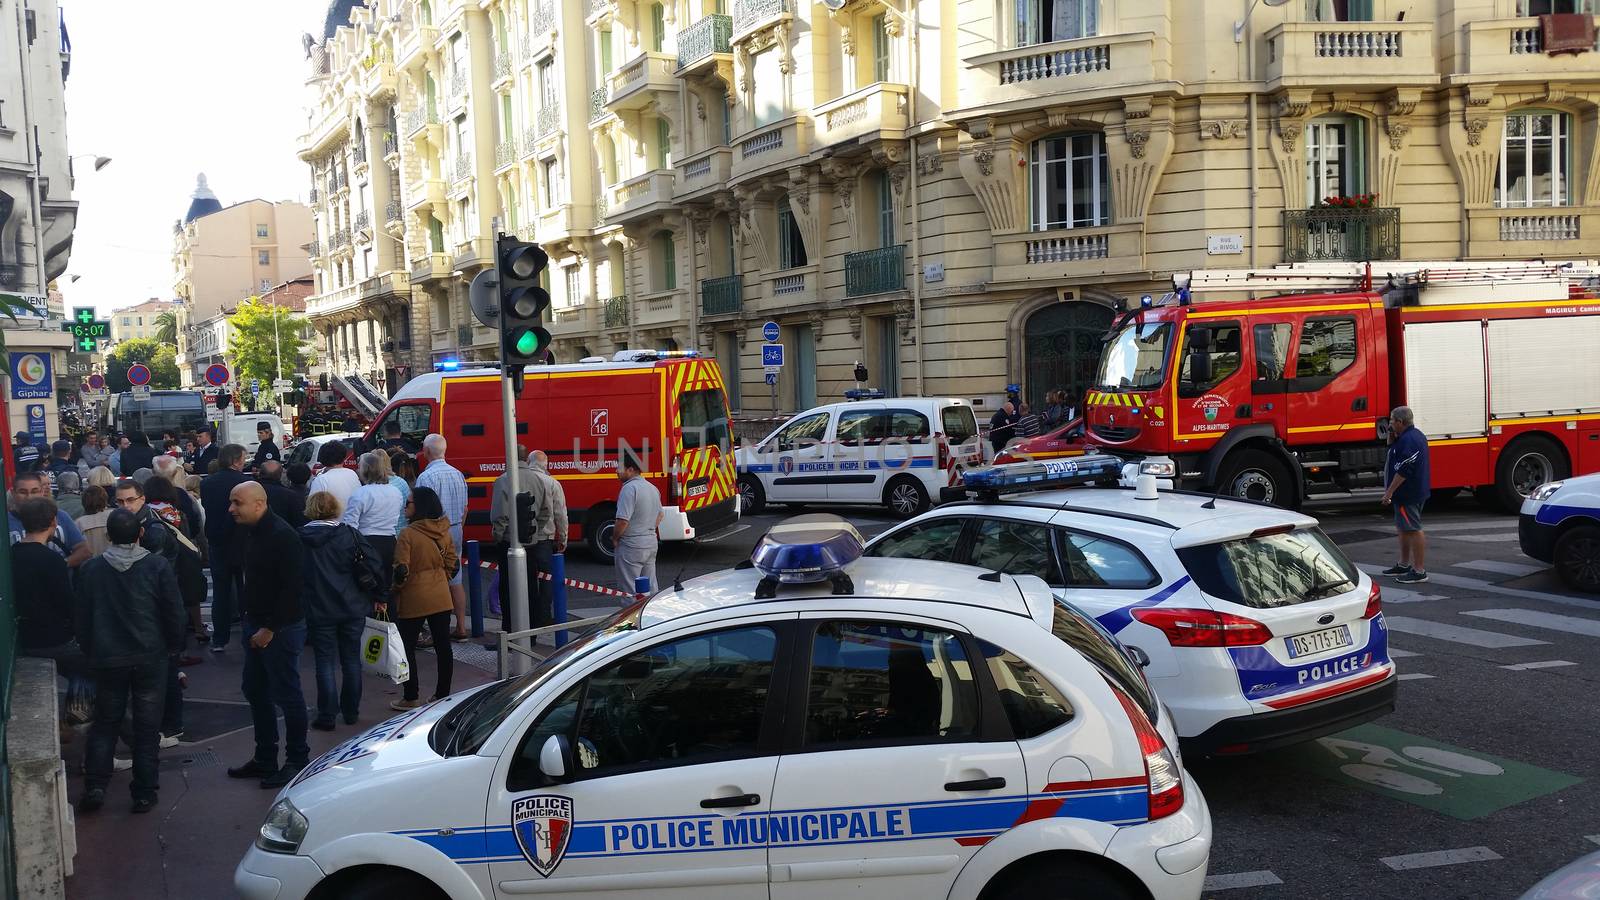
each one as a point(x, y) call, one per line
point(1061, 348)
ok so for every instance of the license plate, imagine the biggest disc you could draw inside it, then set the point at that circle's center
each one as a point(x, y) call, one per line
point(1315, 642)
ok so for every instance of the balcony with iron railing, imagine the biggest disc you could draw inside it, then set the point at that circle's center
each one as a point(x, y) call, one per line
point(702, 41)
point(358, 154)
point(616, 311)
point(643, 80)
point(875, 271)
point(391, 145)
point(530, 141)
point(341, 180)
point(394, 213)
point(463, 167)
point(458, 88)
point(548, 119)
point(597, 104)
point(751, 14)
point(543, 18)
point(340, 240)
point(505, 155)
point(598, 7)
point(314, 249)
point(1315, 54)
point(721, 296)
point(502, 67)
point(316, 196)
point(363, 220)
point(417, 119)
point(1341, 233)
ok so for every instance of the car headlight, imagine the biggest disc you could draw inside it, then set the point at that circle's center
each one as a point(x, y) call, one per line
point(284, 829)
point(1547, 490)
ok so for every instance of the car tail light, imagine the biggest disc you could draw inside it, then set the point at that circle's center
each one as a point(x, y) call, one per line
point(1204, 627)
point(1374, 602)
point(1161, 769)
point(943, 443)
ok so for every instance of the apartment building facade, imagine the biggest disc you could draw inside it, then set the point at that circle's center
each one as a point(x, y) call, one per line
point(140, 320)
point(959, 196)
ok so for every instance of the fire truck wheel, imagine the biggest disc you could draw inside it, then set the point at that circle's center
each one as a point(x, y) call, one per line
point(752, 499)
point(600, 534)
point(1256, 475)
point(905, 496)
point(1529, 462)
point(1577, 558)
point(1438, 498)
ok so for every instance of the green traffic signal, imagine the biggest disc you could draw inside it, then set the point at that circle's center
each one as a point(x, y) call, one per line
point(527, 343)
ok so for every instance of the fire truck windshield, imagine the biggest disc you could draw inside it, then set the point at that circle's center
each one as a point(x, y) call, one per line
point(1135, 358)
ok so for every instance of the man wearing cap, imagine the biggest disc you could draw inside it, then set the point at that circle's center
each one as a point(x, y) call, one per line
point(24, 455)
point(267, 449)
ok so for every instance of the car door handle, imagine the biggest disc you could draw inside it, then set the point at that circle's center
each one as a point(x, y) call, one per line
point(728, 802)
point(976, 784)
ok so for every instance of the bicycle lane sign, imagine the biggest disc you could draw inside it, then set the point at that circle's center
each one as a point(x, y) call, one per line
point(1460, 783)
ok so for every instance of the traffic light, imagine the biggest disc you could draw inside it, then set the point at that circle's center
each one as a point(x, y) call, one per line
point(523, 338)
point(525, 517)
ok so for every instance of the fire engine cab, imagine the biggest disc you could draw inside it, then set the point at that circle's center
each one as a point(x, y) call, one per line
point(668, 409)
point(1280, 388)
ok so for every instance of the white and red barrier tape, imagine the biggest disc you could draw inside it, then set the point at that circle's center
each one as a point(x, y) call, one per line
point(575, 583)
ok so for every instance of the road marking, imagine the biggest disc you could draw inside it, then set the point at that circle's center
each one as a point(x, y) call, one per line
point(1414, 676)
point(1439, 858)
point(1545, 664)
point(1397, 653)
point(1457, 634)
point(1569, 624)
point(1484, 525)
point(1478, 584)
point(1516, 570)
point(1241, 880)
point(1592, 838)
point(1481, 538)
point(1401, 595)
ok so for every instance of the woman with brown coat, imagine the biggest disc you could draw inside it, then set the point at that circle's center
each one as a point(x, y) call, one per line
point(425, 559)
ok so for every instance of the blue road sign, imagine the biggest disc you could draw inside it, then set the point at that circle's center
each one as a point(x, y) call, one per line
point(772, 378)
point(769, 331)
point(772, 355)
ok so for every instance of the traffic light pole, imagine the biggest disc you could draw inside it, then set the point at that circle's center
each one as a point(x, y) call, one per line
point(516, 565)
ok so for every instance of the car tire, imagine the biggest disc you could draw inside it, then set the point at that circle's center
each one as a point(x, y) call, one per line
point(385, 884)
point(752, 497)
point(1259, 476)
point(1577, 558)
point(905, 496)
point(1527, 463)
point(599, 534)
point(1060, 879)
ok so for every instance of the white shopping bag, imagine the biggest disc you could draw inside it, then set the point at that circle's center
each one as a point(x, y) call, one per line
point(381, 650)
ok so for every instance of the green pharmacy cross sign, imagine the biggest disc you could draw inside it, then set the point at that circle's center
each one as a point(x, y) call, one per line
point(86, 331)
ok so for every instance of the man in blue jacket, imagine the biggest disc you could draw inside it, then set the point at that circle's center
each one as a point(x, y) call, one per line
point(1405, 475)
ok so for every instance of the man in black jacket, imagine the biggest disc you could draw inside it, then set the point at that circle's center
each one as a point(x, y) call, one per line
point(267, 449)
point(286, 502)
point(276, 633)
point(205, 450)
point(139, 455)
point(214, 493)
point(129, 623)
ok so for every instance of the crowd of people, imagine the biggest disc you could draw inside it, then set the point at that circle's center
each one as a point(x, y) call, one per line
point(1017, 420)
point(110, 565)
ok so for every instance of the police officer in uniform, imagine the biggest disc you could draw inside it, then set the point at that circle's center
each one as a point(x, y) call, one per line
point(24, 454)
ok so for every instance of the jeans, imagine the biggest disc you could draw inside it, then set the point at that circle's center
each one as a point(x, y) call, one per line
point(172, 711)
point(146, 684)
point(439, 625)
point(224, 589)
point(337, 647)
point(540, 593)
point(272, 682)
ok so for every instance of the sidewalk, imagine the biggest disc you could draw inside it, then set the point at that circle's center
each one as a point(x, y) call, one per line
point(188, 846)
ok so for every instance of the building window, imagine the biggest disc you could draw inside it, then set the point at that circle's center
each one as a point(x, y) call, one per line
point(127, 321)
point(605, 54)
point(511, 207)
point(1339, 10)
point(435, 234)
point(550, 182)
point(574, 276)
point(805, 367)
point(1043, 21)
point(264, 257)
point(1335, 159)
point(1534, 160)
point(769, 101)
point(1070, 187)
point(663, 144)
point(658, 27)
point(727, 119)
point(880, 49)
point(1556, 7)
point(883, 202)
point(791, 248)
point(888, 368)
point(261, 231)
point(547, 85)
point(730, 367)
point(665, 250)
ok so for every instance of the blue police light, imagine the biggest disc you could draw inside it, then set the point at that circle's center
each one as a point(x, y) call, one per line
point(864, 394)
point(1040, 475)
point(1146, 301)
point(448, 365)
point(806, 550)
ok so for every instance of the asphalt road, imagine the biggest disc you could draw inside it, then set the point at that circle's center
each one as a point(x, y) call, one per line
point(1481, 782)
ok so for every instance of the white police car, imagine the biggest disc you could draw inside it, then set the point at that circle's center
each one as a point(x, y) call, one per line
point(1259, 631)
point(1560, 524)
point(809, 726)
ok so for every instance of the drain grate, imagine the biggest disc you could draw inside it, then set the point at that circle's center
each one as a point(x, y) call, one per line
point(172, 761)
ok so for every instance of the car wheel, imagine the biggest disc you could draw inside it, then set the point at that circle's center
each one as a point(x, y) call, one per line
point(600, 534)
point(1059, 878)
point(752, 498)
point(383, 884)
point(1257, 475)
point(905, 496)
point(1529, 462)
point(1577, 558)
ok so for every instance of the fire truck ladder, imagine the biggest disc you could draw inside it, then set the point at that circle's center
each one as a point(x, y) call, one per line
point(1362, 276)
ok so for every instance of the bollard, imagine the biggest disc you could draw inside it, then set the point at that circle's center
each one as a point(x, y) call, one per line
point(641, 588)
point(558, 595)
point(475, 588)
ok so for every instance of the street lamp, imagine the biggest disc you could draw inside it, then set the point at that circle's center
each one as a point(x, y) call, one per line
point(1239, 26)
point(100, 162)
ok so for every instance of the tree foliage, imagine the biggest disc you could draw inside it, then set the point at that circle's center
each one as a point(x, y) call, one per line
point(167, 328)
point(258, 333)
point(161, 358)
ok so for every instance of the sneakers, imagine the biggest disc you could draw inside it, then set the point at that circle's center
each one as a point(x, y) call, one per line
point(1396, 570)
point(281, 777)
point(404, 705)
point(168, 741)
point(144, 804)
point(92, 799)
point(255, 768)
point(118, 764)
point(1415, 576)
point(217, 649)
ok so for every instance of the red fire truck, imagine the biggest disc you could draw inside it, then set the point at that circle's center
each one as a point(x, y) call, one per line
point(669, 409)
point(1280, 388)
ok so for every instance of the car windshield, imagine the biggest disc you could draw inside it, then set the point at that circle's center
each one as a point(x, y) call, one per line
point(1271, 570)
point(1135, 358)
point(465, 729)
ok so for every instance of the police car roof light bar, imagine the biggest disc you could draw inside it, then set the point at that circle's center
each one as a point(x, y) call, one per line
point(806, 550)
point(865, 394)
point(1041, 475)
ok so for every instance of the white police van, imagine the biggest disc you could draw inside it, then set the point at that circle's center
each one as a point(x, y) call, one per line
point(804, 727)
point(898, 452)
point(1560, 524)
point(1259, 631)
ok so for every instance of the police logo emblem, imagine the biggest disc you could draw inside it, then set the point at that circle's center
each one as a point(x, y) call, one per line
point(543, 825)
point(785, 465)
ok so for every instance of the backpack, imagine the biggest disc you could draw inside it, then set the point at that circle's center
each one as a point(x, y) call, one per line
point(368, 566)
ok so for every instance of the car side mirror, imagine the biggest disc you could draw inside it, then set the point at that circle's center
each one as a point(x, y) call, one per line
point(556, 762)
point(1075, 434)
point(1200, 366)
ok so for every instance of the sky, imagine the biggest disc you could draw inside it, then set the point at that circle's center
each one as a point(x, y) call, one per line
point(170, 90)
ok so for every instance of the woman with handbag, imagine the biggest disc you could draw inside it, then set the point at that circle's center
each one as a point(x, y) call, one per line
point(342, 576)
point(425, 559)
point(376, 509)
